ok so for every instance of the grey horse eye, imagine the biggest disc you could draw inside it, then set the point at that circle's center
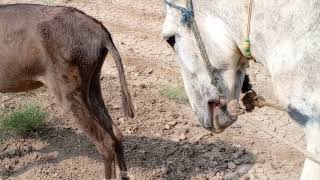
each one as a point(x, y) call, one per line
point(171, 41)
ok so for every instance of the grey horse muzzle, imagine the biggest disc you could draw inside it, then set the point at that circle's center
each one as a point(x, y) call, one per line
point(221, 115)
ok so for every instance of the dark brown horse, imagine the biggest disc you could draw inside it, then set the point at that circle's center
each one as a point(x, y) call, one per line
point(64, 49)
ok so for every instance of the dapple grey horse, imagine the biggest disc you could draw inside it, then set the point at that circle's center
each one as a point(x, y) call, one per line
point(284, 37)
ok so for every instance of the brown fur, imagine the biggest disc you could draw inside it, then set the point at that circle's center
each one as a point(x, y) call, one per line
point(64, 49)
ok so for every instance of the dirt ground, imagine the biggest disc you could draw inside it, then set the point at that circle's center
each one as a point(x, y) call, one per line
point(163, 141)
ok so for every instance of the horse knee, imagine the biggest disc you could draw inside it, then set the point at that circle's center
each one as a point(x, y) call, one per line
point(106, 148)
point(117, 133)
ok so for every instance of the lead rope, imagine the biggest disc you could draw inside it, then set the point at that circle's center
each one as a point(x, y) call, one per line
point(246, 43)
point(194, 28)
point(306, 153)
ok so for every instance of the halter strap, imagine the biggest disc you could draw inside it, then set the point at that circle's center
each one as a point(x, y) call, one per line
point(188, 19)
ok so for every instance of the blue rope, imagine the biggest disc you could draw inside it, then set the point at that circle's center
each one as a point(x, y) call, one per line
point(187, 14)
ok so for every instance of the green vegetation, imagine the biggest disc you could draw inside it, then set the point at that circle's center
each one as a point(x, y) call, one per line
point(49, 2)
point(176, 93)
point(26, 119)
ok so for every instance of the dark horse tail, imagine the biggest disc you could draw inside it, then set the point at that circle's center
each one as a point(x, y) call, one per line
point(127, 104)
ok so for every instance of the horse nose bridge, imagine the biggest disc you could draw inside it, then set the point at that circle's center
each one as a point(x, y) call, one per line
point(169, 27)
point(210, 92)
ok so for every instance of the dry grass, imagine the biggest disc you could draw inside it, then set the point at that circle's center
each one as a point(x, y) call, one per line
point(176, 93)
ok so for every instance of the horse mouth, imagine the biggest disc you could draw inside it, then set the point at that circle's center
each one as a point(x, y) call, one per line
point(220, 115)
point(213, 109)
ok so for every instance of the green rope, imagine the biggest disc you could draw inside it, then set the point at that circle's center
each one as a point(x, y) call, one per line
point(247, 48)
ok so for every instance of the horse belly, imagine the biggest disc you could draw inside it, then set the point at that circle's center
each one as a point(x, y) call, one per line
point(19, 86)
point(20, 69)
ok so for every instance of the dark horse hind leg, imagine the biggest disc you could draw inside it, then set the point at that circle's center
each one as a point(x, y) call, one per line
point(103, 140)
point(100, 109)
point(72, 90)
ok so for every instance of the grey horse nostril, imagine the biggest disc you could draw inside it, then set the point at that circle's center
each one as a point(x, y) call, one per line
point(171, 41)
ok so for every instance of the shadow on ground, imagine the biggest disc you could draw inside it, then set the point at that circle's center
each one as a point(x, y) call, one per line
point(175, 160)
